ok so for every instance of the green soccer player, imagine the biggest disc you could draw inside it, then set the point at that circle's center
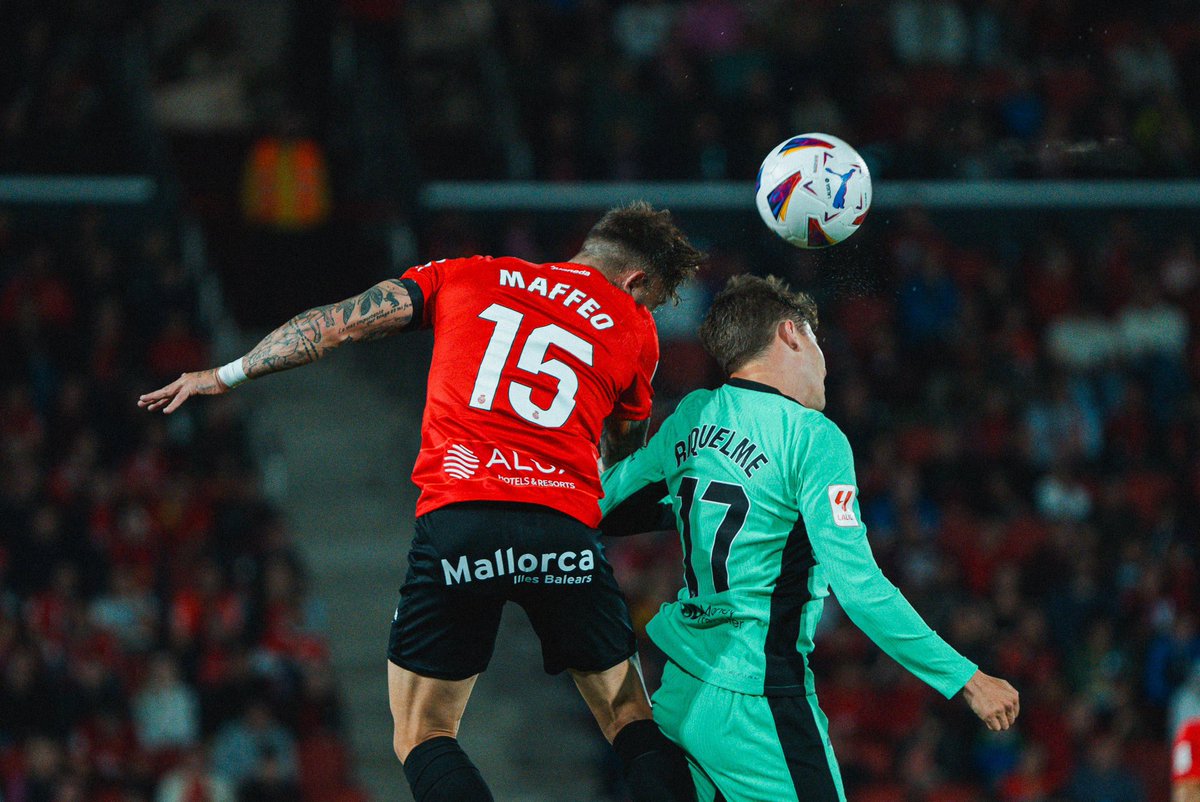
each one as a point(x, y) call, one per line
point(763, 491)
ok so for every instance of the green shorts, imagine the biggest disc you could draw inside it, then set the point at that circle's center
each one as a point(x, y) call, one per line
point(745, 748)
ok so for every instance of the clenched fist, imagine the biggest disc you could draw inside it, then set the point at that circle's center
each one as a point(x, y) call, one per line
point(992, 699)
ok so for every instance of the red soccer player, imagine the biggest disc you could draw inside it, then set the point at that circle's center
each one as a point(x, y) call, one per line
point(1185, 763)
point(533, 366)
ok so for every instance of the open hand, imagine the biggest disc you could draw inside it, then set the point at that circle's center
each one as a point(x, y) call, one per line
point(204, 382)
point(992, 699)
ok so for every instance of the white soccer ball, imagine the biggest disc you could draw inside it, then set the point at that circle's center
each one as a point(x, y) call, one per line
point(813, 190)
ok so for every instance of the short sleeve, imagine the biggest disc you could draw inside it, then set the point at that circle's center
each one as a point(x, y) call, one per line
point(423, 283)
point(637, 400)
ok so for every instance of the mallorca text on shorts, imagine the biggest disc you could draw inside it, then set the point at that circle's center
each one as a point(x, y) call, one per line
point(547, 568)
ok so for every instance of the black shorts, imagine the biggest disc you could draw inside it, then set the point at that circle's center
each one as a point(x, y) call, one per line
point(468, 559)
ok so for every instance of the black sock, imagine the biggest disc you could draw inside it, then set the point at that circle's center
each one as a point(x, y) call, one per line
point(438, 770)
point(656, 770)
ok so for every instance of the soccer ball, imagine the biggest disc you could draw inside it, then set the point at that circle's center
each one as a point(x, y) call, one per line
point(813, 190)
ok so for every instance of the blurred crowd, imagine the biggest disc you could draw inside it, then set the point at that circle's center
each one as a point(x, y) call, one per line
point(702, 89)
point(1024, 412)
point(626, 89)
point(157, 639)
point(1026, 424)
point(64, 80)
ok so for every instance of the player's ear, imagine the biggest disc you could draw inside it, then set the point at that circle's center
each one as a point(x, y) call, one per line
point(787, 331)
point(640, 286)
point(632, 280)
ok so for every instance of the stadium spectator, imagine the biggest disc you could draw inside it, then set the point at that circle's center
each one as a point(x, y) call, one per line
point(1008, 92)
point(1185, 702)
point(1029, 780)
point(123, 641)
point(61, 107)
point(38, 776)
point(129, 611)
point(192, 781)
point(254, 747)
point(26, 696)
point(1143, 65)
point(1171, 656)
point(929, 32)
point(270, 783)
point(1101, 776)
point(641, 28)
point(166, 712)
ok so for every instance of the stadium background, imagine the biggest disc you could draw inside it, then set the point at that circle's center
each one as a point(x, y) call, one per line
point(195, 607)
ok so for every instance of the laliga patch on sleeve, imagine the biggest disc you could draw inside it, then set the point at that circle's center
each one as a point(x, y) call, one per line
point(841, 501)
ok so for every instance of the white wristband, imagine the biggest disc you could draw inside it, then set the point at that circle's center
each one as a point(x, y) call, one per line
point(232, 375)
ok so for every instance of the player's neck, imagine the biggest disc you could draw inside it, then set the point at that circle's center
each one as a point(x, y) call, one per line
point(582, 258)
point(762, 374)
point(772, 376)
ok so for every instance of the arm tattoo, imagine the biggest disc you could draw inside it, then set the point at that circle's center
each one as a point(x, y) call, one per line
point(620, 438)
point(382, 310)
point(295, 343)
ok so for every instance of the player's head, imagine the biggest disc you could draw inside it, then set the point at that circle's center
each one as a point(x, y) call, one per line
point(641, 250)
point(759, 329)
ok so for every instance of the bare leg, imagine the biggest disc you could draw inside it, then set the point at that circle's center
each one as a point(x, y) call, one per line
point(617, 696)
point(656, 770)
point(426, 713)
point(424, 707)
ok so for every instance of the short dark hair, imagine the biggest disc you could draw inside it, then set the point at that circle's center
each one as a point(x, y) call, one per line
point(742, 319)
point(648, 237)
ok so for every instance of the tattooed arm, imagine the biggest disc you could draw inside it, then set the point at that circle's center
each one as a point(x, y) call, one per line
point(384, 309)
point(620, 438)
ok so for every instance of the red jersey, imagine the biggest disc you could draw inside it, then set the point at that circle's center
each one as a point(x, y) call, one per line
point(528, 362)
point(1185, 755)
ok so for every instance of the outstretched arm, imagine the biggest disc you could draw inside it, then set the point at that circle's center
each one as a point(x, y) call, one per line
point(829, 504)
point(383, 309)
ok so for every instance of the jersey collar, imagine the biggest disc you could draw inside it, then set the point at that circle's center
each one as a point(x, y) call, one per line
point(744, 384)
point(589, 268)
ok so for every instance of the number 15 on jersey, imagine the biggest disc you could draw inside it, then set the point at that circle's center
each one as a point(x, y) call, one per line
point(533, 361)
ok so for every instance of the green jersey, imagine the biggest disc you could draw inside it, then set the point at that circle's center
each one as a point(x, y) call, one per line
point(766, 506)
